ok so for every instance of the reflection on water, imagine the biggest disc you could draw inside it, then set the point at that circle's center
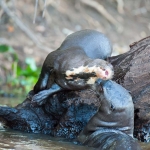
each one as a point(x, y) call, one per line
point(15, 140)
point(145, 146)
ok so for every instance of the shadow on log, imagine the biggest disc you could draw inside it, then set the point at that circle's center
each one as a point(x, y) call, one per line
point(66, 113)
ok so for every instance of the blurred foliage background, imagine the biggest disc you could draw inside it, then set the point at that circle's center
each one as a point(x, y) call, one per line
point(24, 44)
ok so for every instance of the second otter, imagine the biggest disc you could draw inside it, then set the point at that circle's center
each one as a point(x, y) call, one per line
point(112, 126)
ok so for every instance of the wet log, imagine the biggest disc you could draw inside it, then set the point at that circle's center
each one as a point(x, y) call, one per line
point(132, 71)
point(66, 113)
point(63, 115)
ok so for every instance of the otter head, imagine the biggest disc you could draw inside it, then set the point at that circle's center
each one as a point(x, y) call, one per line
point(115, 94)
point(116, 104)
point(93, 70)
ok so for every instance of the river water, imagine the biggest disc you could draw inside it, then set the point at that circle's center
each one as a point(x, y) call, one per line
point(15, 140)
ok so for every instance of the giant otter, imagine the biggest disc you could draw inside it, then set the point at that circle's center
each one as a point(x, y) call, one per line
point(112, 126)
point(75, 65)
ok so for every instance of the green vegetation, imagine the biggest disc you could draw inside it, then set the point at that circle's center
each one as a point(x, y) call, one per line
point(21, 78)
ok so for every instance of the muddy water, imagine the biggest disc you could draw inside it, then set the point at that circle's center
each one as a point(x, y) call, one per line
point(15, 140)
point(11, 102)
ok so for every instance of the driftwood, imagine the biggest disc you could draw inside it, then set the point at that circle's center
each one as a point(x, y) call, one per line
point(66, 113)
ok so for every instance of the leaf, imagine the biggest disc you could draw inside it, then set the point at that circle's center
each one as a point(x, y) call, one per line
point(31, 63)
point(15, 57)
point(4, 48)
point(10, 28)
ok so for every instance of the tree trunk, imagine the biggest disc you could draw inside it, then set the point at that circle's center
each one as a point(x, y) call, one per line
point(132, 71)
point(66, 113)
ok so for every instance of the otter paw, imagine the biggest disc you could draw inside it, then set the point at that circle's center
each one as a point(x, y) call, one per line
point(39, 98)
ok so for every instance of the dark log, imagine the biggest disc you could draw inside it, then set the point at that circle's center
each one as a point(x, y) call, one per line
point(132, 71)
point(66, 113)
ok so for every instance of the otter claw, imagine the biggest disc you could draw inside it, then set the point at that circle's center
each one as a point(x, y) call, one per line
point(39, 98)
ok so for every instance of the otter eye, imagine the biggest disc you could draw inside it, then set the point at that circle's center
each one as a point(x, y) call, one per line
point(112, 107)
point(102, 68)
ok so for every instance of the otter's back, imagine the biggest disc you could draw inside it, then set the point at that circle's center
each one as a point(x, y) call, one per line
point(94, 43)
